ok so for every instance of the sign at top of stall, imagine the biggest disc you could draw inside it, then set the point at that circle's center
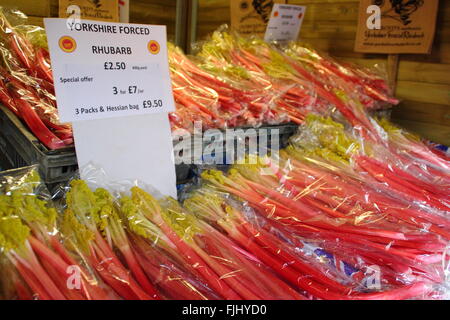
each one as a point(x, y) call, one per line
point(285, 23)
point(100, 10)
point(104, 70)
point(250, 17)
point(388, 26)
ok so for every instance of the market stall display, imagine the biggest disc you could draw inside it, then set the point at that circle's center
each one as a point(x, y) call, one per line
point(352, 208)
point(325, 189)
point(217, 88)
point(231, 82)
point(310, 225)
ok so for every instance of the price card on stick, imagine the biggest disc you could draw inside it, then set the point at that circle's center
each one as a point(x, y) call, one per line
point(285, 23)
point(112, 82)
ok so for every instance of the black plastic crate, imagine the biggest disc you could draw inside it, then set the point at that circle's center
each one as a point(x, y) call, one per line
point(21, 148)
point(283, 132)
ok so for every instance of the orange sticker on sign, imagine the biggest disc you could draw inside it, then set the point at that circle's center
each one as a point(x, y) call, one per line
point(153, 47)
point(67, 44)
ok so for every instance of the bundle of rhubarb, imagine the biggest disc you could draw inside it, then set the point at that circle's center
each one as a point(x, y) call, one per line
point(229, 269)
point(370, 87)
point(35, 263)
point(228, 96)
point(198, 95)
point(302, 85)
point(288, 99)
point(126, 247)
point(26, 81)
point(234, 81)
point(226, 54)
point(411, 154)
point(401, 164)
point(130, 252)
point(324, 207)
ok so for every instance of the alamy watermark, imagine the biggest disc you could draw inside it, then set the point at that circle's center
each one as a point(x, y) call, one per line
point(74, 277)
point(373, 277)
point(373, 22)
point(74, 13)
point(228, 146)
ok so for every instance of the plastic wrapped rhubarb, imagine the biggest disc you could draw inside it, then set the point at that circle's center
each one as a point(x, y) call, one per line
point(367, 85)
point(325, 96)
point(420, 180)
point(146, 265)
point(26, 84)
point(314, 200)
point(401, 164)
point(157, 253)
point(24, 102)
point(308, 261)
point(37, 264)
point(221, 96)
point(417, 157)
point(277, 90)
point(27, 46)
point(193, 91)
point(229, 270)
point(260, 94)
point(90, 223)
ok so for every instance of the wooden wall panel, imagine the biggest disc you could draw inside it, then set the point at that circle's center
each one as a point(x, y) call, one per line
point(37, 8)
point(141, 11)
point(211, 15)
point(162, 12)
point(434, 132)
point(424, 92)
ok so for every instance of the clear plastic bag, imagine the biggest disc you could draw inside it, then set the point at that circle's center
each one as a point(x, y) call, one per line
point(275, 94)
point(26, 81)
point(401, 164)
point(38, 264)
point(331, 207)
point(369, 85)
point(110, 224)
point(232, 271)
point(320, 266)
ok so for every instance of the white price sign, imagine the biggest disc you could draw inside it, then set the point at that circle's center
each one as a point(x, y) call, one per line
point(285, 22)
point(104, 70)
